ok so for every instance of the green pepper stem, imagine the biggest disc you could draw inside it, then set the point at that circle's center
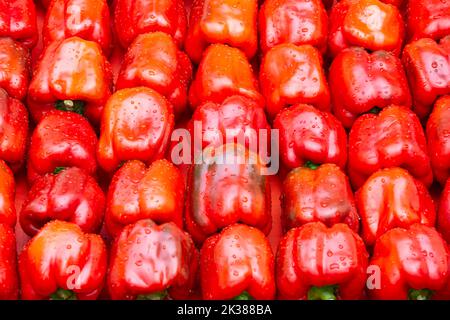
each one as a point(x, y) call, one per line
point(76, 106)
point(160, 295)
point(322, 293)
point(243, 296)
point(375, 110)
point(422, 294)
point(311, 165)
point(58, 170)
point(62, 294)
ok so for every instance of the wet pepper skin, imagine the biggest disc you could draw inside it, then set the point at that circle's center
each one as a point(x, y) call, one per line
point(62, 139)
point(443, 221)
point(319, 263)
point(370, 24)
point(151, 262)
point(438, 134)
point(13, 130)
point(413, 264)
point(236, 118)
point(310, 135)
point(7, 195)
point(321, 194)
point(137, 192)
point(361, 81)
point(69, 195)
point(293, 21)
point(392, 198)
point(154, 60)
point(14, 68)
point(9, 286)
point(71, 69)
point(136, 125)
point(291, 74)
point(135, 17)
point(231, 22)
point(223, 71)
point(86, 19)
point(427, 65)
point(18, 21)
point(220, 194)
point(63, 263)
point(393, 138)
point(237, 263)
point(428, 19)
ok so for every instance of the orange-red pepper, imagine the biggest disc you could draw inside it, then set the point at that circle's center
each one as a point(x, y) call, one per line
point(7, 196)
point(9, 284)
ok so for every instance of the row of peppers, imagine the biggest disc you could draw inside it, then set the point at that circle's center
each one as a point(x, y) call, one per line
point(321, 256)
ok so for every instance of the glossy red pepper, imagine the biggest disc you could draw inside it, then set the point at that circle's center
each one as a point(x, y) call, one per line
point(370, 24)
point(428, 19)
point(18, 21)
point(228, 189)
point(14, 68)
point(154, 60)
point(412, 264)
point(86, 19)
point(293, 21)
point(319, 263)
point(308, 135)
point(62, 139)
point(443, 217)
point(68, 195)
point(392, 198)
point(438, 134)
point(13, 130)
point(393, 138)
point(427, 65)
point(137, 192)
point(135, 17)
point(291, 74)
point(7, 196)
point(231, 22)
point(223, 71)
point(63, 263)
point(73, 74)
point(136, 125)
point(150, 262)
point(318, 193)
point(238, 264)
point(360, 81)
point(9, 286)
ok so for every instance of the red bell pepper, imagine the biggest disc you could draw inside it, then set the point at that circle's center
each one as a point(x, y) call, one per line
point(86, 19)
point(438, 134)
point(68, 195)
point(370, 24)
point(392, 198)
point(236, 118)
point(13, 130)
point(137, 192)
point(413, 264)
point(427, 65)
point(237, 264)
point(223, 71)
point(9, 286)
point(136, 125)
point(318, 193)
point(310, 136)
point(18, 21)
point(319, 263)
point(135, 17)
point(7, 196)
point(291, 74)
point(361, 81)
point(62, 139)
point(63, 263)
point(393, 138)
point(428, 19)
point(14, 68)
point(154, 60)
point(231, 22)
point(74, 75)
point(228, 189)
point(293, 21)
point(443, 217)
point(150, 262)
